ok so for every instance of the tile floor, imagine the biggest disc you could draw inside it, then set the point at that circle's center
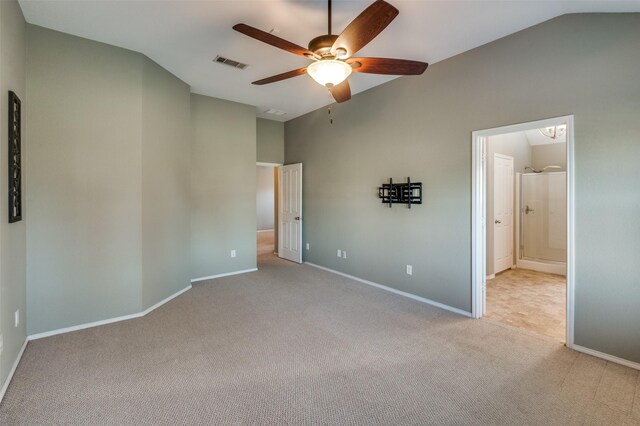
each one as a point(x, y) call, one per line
point(529, 300)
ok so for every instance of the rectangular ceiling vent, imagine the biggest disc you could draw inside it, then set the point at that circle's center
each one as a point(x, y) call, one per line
point(230, 62)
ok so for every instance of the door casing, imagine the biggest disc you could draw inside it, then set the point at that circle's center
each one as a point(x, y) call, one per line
point(479, 213)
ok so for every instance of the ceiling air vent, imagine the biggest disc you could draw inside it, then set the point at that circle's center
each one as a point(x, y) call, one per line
point(230, 62)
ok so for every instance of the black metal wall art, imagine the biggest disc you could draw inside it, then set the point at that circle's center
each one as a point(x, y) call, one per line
point(401, 193)
point(15, 163)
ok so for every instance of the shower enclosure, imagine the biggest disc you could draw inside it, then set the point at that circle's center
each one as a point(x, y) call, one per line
point(542, 222)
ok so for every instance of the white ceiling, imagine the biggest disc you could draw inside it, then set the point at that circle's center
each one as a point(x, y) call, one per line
point(184, 36)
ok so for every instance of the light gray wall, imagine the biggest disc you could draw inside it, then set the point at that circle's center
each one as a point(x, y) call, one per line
point(549, 155)
point(514, 145)
point(12, 235)
point(223, 185)
point(166, 174)
point(270, 141)
point(109, 181)
point(264, 198)
point(421, 127)
point(84, 178)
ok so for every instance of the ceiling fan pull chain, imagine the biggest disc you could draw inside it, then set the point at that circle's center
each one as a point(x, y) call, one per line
point(330, 118)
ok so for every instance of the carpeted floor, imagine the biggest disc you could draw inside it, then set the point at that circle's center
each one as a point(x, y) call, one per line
point(294, 345)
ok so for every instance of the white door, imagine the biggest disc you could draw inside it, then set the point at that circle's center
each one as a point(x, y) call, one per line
point(290, 212)
point(502, 212)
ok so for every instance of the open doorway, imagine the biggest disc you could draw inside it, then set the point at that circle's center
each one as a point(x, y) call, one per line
point(266, 209)
point(522, 210)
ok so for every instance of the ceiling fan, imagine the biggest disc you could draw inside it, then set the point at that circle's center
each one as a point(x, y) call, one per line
point(332, 55)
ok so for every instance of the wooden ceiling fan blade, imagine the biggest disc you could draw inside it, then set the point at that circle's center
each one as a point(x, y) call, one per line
point(280, 77)
point(365, 28)
point(341, 92)
point(278, 42)
point(387, 66)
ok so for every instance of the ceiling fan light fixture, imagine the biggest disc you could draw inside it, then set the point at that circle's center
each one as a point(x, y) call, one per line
point(329, 72)
point(554, 132)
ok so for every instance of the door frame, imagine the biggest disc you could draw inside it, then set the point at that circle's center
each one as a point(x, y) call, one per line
point(479, 212)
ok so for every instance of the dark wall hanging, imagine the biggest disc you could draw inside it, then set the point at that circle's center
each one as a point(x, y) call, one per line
point(15, 163)
point(401, 193)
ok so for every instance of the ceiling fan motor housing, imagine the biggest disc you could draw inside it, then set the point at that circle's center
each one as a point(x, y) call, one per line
point(321, 45)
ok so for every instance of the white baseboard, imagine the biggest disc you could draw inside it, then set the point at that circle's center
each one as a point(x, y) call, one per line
point(108, 320)
point(162, 302)
point(393, 290)
point(226, 274)
point(607, 357)
point(266, 230)
point(13, 369)
point(550, 268)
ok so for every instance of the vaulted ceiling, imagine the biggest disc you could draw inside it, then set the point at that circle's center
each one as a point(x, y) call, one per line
point(184, 37)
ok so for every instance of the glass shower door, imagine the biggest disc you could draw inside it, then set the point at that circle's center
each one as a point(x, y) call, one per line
point(544, 216)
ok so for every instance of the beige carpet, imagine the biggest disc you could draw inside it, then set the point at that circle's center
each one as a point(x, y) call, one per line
point(293, 345)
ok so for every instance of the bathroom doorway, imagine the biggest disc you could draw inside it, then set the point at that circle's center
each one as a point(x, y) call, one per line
point(521, 227)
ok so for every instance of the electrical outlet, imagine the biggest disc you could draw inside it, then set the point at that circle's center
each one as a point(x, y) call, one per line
point(307, 246)
point(233, 253)
point(339, 253)
point(409, 270)
point(344, 254)
point(17, 317)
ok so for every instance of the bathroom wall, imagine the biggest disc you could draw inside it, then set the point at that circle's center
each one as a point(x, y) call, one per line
point(551, 154)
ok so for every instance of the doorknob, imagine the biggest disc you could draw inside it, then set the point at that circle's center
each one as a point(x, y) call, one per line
point(297, 218)
point(497, 221)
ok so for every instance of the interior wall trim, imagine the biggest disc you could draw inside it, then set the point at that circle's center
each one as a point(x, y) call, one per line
point(478, 214)
point(393, 290)
point(107, 321)
point(13, 369)
point(607, 357)
point(226, 274)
